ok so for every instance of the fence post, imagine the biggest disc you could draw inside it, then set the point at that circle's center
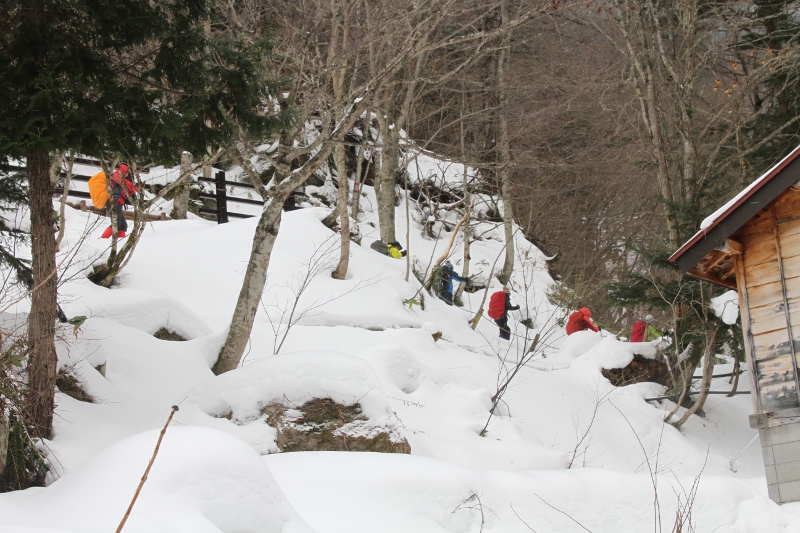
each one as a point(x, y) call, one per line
point(222, 199)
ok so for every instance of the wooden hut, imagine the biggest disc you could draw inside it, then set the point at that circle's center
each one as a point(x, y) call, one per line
point(752, 245)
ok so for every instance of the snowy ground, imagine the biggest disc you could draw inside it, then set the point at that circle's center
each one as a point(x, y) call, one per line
point(356, 340)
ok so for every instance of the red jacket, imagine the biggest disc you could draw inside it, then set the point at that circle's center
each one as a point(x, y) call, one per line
point(579, 322)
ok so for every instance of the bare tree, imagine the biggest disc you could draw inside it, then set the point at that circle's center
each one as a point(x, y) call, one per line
point(181, 202)
point(504, 148)
point(404, 32)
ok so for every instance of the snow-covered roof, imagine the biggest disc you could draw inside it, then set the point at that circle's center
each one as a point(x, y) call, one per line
point(735, 213)
point(712, 219)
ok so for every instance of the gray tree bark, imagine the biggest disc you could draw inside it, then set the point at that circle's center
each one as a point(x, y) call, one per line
point(390, 153)
point(42, 360)
point(180, 205)
point(505, 151)
point(255, 278)
point(3, 441)
point(360, 166)
point(344, 215)
point(709, 358)
point(263, 241)
point(468, 203)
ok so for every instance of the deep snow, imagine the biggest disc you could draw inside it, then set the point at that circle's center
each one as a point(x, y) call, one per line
point(356, 339)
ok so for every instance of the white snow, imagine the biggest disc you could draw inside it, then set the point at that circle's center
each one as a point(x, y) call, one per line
point(356, 340)
point(202, 481)
point(726, 307)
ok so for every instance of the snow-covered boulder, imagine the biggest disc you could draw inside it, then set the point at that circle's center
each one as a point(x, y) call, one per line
point(296, 394)
point(148, 311)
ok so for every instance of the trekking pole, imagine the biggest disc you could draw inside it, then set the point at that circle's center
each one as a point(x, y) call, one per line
point(147, 470)
point(741, 452)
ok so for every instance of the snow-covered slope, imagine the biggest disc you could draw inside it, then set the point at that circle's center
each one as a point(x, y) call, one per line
point(357, 340)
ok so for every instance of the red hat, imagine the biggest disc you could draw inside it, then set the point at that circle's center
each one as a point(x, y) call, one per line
point(123, 168)
point(585, 312)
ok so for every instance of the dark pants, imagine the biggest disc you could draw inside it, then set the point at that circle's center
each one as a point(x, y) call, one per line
point(122, 224)
point(502, 323)
point(447, 297)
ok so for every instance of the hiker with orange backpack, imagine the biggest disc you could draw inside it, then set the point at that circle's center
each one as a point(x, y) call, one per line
point(499, 306)
point(123, 190)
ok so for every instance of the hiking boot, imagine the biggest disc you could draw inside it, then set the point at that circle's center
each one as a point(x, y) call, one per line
point(106, 234)
point(120, 234)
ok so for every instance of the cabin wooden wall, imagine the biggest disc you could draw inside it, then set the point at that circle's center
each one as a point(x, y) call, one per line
point(771, 272)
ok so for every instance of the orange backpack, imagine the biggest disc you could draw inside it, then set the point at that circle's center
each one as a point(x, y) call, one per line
point(97, 190)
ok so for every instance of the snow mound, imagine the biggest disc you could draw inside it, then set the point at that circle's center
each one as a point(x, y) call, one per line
point(145, 310)
point(292, 380)
point(202, 481)
point(401, 493)
point(574, 346)
point(612, 353)
point(726, 307)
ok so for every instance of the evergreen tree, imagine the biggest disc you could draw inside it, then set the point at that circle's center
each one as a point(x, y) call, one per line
point(13, 195)
point(138, 78)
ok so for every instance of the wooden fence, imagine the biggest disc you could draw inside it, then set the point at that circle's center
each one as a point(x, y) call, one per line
point(220, 197)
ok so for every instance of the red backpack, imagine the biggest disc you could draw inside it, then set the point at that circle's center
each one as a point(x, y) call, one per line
point(637, 333)
point(497, 305)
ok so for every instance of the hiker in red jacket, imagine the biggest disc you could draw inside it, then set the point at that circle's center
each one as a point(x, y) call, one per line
point(123, 190)
point(580, 320)
point(502, 320)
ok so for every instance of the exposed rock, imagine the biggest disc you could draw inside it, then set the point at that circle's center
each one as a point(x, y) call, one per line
point(641, 369)
point(168, 335)
point(324, 425)
point(69, 384)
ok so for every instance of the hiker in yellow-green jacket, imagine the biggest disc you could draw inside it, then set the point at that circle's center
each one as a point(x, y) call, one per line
point(396, 250)
point(643, 330)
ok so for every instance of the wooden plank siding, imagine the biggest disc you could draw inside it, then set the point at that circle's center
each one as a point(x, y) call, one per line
point(747, 321)
point(787, 205)
point(767, 295)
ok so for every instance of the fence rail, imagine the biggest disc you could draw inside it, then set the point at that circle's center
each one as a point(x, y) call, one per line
point(220, 196)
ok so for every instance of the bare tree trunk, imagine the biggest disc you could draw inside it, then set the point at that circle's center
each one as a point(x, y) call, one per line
point(3, 440)
point(344, 215)
point(360, 168)
point(63, 204)
point(181, 204)
point(207, 168)
point(341, 168)
point(263, 241)
point(505, 151)
point(390, 153)
point(255, 278)
point(408, 228)
point(735, 377)
point(41, 322)
point(468, 202)
point(709, 358)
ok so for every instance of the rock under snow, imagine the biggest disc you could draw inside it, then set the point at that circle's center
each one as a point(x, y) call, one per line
point(279, 393)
